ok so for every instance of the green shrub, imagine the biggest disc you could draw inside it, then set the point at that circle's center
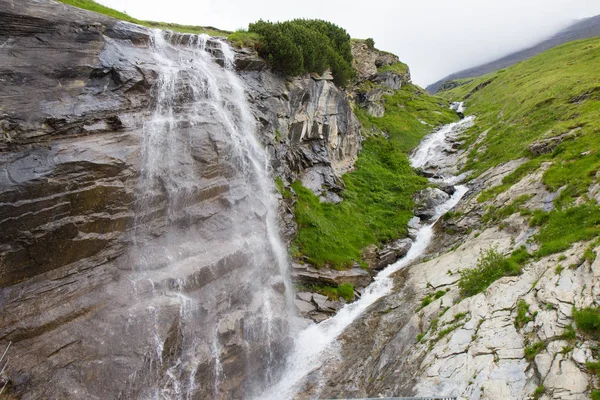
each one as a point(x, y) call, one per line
point(370, 43)
point(491, 266)
point(300, 46)
point(595, 395)
point(587, 321)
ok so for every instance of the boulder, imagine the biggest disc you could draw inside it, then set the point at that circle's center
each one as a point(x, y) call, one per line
point(306, 274)
point(392, 252)
point(427, 200)
point(413, 226)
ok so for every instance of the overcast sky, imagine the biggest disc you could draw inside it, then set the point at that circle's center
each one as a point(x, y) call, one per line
point(434, 37)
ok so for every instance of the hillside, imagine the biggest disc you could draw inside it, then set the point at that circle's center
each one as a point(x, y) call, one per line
point(505, 304)
point(585, 28)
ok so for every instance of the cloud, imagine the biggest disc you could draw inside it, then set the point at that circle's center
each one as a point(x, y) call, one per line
point(435, 37)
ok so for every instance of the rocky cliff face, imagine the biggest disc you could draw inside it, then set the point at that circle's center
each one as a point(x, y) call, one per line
point(78, 91)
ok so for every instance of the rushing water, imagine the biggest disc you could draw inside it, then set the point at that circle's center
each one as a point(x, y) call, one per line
point(314, 343)
point(201, 104)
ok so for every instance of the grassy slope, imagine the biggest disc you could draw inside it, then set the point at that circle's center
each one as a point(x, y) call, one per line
point(553, 93)
point(99, 8)
point(378, 197)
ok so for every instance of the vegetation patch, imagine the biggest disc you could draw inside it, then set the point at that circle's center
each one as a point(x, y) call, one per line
point(400, 68)
point(587, 321)
point(491, 266)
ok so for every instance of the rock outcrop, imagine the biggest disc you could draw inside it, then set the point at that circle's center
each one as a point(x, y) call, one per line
point(76, 223)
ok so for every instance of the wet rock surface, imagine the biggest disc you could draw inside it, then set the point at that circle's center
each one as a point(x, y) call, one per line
point(77, 90)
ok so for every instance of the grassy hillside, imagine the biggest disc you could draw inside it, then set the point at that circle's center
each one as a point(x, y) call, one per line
point(99, 8)
point(378, 197)
point(555, 93)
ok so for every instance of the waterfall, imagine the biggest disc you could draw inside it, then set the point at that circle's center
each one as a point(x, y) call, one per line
point(225, 274)
point(318, 343)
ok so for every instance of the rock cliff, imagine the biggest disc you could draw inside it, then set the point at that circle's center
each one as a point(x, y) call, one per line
point(75, 219)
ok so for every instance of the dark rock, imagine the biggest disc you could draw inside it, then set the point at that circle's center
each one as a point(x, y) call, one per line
point(450, 189)
point(427, 200)
point(392, 252)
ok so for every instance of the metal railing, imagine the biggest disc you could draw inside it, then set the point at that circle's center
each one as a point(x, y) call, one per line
point(403, 398)
point(3, 365)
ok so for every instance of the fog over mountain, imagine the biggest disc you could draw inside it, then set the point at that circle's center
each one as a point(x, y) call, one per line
point(434, 37)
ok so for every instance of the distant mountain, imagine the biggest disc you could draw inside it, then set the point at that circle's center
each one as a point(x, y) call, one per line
point(581, 29)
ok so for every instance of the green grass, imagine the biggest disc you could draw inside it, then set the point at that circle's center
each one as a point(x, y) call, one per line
point(99, 8)
point(561, 228)
point(242, 38)
point(550, 94)
point(554, 93)
point(378, 197)
point(587, 321)
point(399, 68)
point(491, 266)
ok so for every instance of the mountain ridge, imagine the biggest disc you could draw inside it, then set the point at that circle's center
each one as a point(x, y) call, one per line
point(581, 29)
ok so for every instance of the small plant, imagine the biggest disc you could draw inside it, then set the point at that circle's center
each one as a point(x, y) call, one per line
point(538, 392)
point(533, 350)
point(420, 337)
point(562, 257)
point(566, 349)
point(559, 268)
point(370, 43)
point(426, 301)
point(523, 317)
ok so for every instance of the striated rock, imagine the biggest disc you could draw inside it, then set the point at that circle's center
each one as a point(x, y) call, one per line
point(392, 252)
point(306, 274)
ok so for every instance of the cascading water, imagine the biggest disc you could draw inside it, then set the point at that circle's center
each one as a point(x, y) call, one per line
point(224, 273)
point(317, 343)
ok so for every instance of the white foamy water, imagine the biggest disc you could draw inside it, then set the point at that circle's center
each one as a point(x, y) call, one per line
point(315, 343)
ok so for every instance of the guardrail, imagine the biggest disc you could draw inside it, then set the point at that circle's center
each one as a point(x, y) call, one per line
point(403, 398)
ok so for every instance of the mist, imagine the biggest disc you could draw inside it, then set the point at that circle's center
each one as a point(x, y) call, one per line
point(434, 37)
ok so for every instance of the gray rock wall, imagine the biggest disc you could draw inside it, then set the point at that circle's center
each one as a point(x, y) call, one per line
point(76, 90)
